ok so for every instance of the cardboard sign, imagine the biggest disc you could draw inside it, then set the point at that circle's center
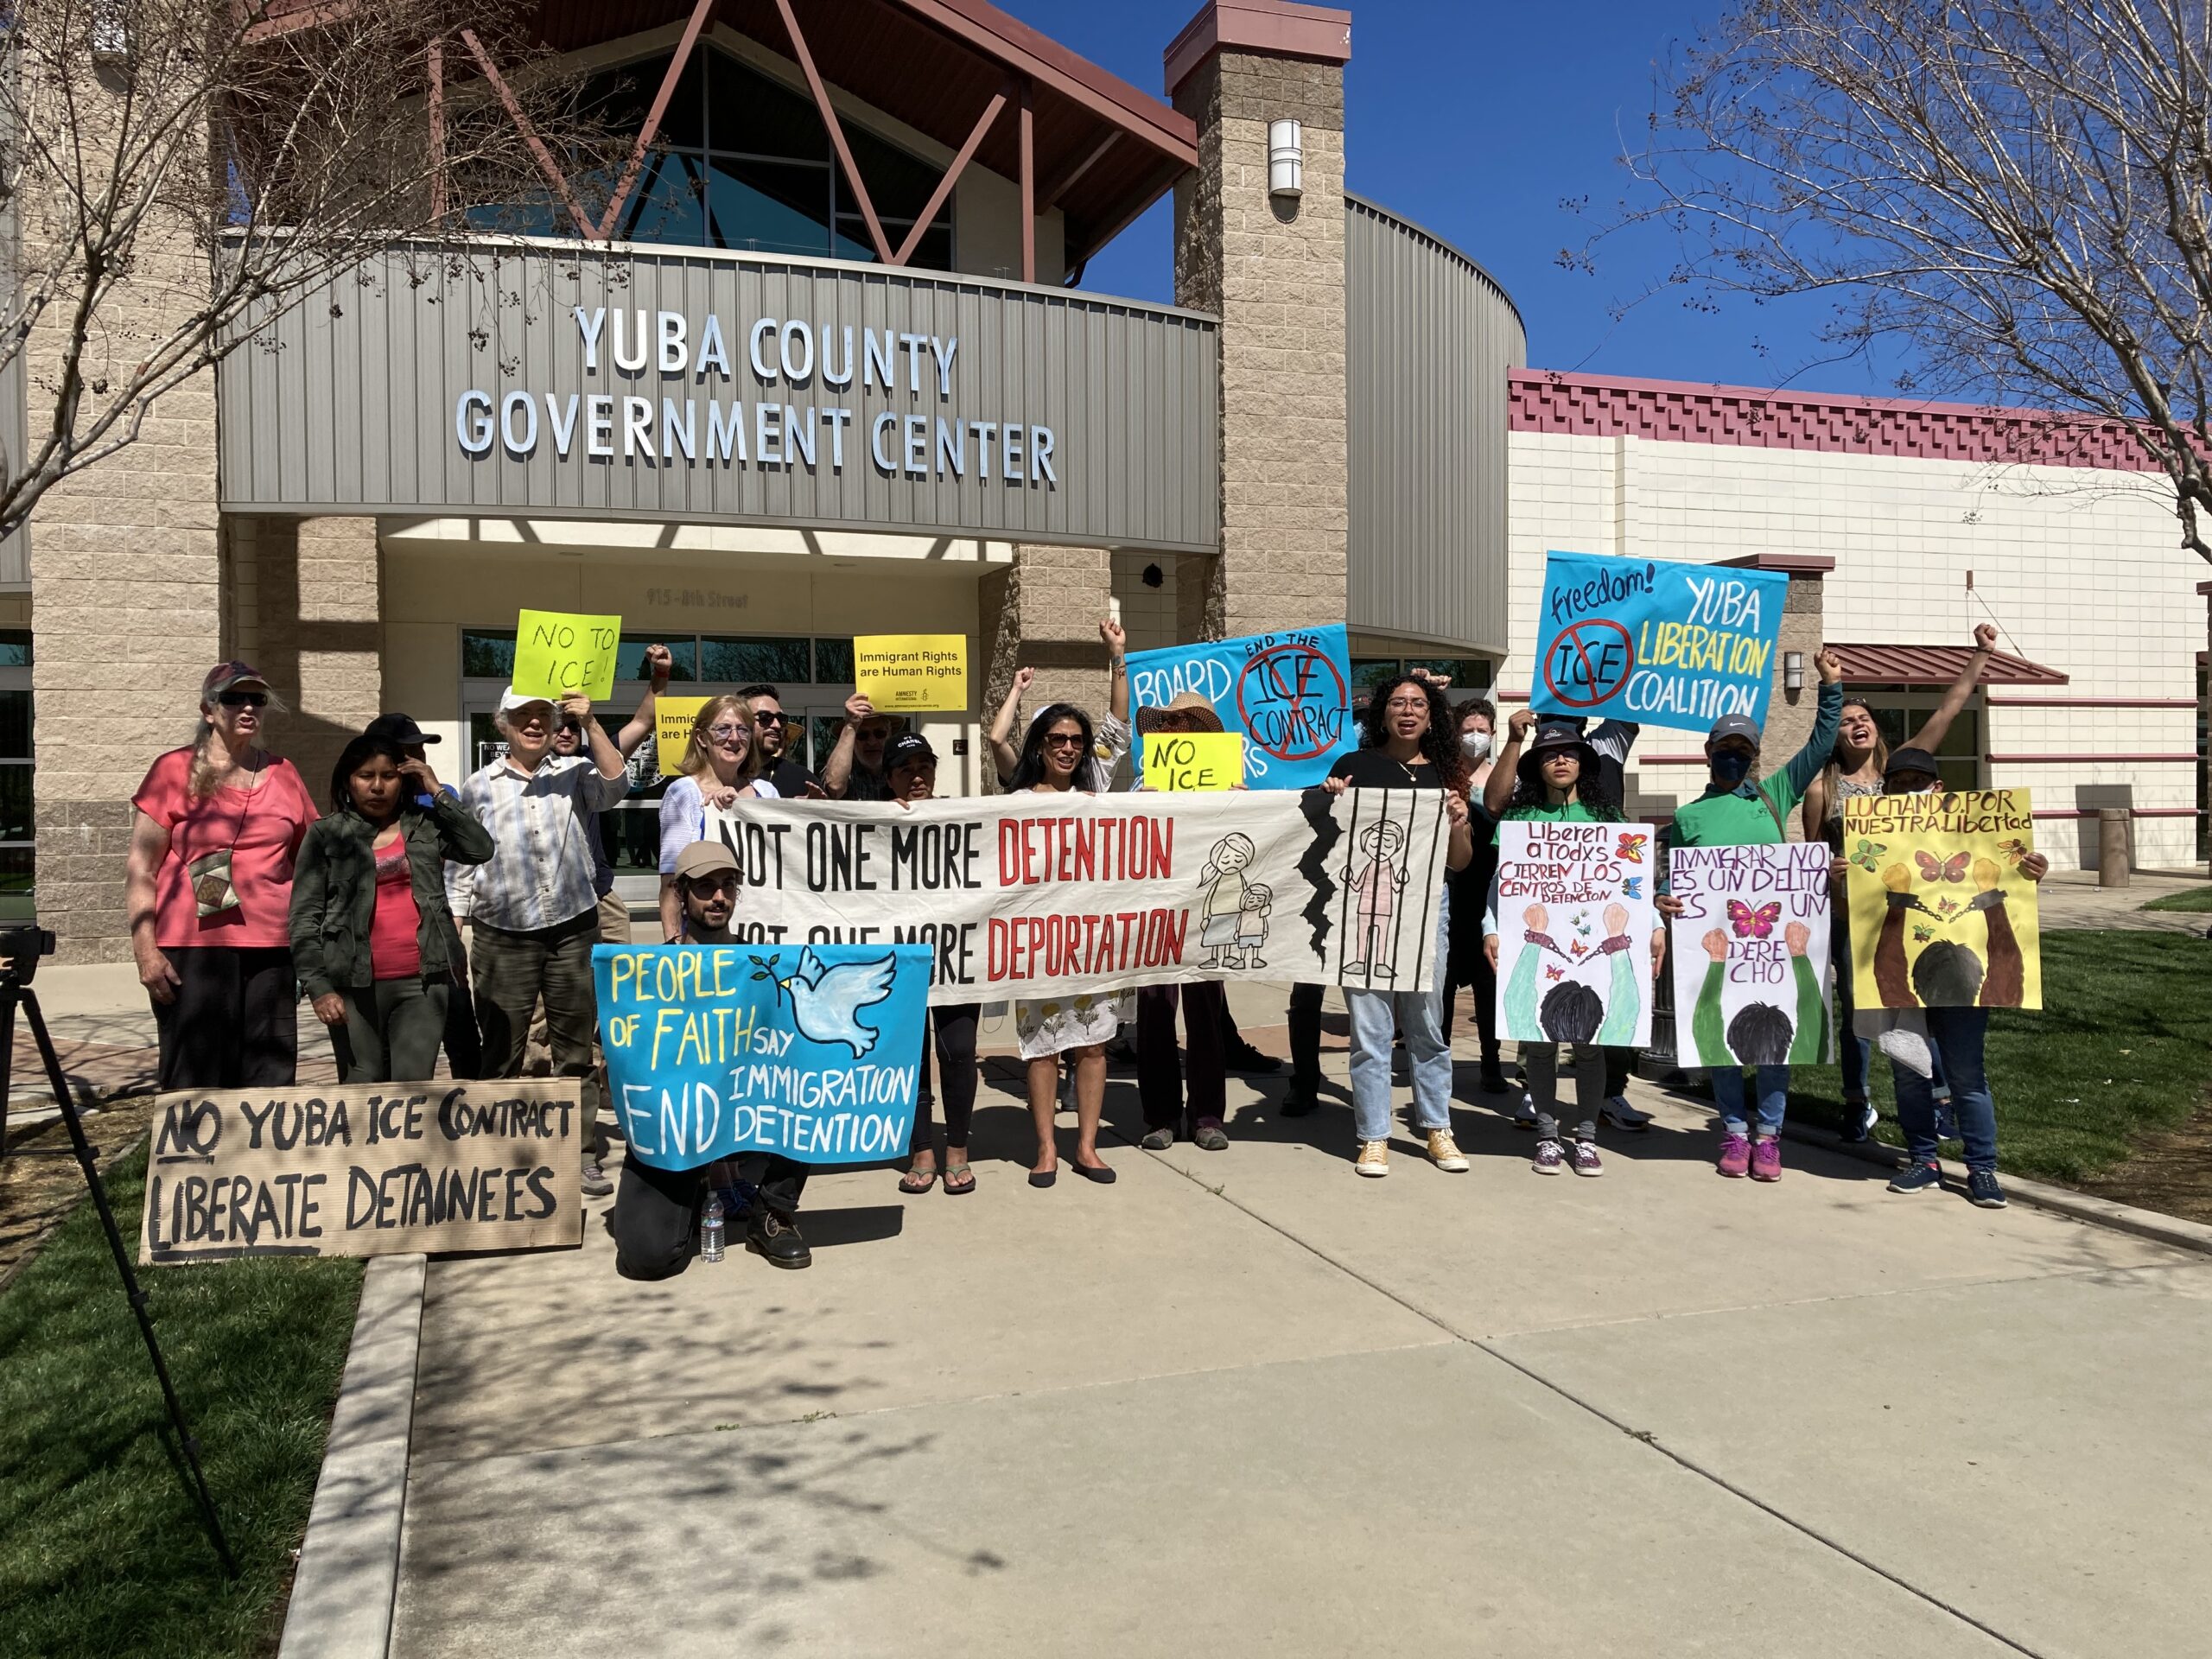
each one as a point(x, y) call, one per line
point(812, 1052)
point(673, 718)
point(1290, 694)
point(1941, 916)
point(556, 652)
point(375, 1169)
point(1183, 761)
point(912, 673)
point(1750, 954)
point(1574, 926)
point(1037, 896)
point(1664, 644)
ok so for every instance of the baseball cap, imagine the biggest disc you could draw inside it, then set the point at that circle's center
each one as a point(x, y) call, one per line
point(400, 729)
point(908, 749)
point(1903, 760)
point(221, 677)
point(704, 858)
point(1741, 726)
point(511, 700)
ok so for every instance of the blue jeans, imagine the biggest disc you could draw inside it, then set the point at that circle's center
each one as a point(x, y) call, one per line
point(1420, 1015)
point(1773, 1097)
point(1956, 1035)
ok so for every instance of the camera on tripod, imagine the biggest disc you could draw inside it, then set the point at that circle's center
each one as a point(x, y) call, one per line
point(21, 947)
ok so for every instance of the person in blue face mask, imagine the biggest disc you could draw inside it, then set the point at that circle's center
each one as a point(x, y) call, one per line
point(1740, 810)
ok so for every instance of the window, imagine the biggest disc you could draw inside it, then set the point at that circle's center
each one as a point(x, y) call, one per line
point(746, 662)
point(1899, 715)
point(18, 857)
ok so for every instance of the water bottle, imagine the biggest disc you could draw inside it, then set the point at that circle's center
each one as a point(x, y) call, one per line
point(711, 1229)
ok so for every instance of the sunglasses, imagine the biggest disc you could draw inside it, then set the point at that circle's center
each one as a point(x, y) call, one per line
point(768, 717)
point(244, 699)
point(1063, 740)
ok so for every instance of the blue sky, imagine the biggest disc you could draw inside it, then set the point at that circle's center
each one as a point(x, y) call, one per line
point(1475, 119)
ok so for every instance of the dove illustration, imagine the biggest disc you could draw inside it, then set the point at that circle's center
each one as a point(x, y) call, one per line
point(826, 1001)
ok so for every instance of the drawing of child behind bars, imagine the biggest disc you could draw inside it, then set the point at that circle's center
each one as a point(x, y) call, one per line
point(1376, 885)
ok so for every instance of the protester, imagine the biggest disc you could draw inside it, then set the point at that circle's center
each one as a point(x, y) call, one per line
point(1406, 742)
point(1736, 810)
point(464, 1043)
point(370, 934)
point(1956, 1031)
point(1059, 747)
point(1855, 768)
point(720, 765)
point(1470, 964)
point(1113, 735)
point(1160, 1078)
point(534, 906)
point(910, 767)
point(656, 1218)
point(771, 731)
point(853, 768)
point(1560, 779)
point(214, 831)
point(568, 743)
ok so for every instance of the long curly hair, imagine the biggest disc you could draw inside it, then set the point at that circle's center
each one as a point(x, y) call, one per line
point(1439, 744)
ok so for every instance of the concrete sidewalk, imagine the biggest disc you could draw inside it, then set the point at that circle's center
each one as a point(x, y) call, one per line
point(2072, 898)
point(1246, 1402)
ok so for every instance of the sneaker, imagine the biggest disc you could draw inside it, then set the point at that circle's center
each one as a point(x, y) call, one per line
point(1766, 1159)
point(1982, 1191)
point(1735, 1155)
point(1917, 1178)
point(1445, 1153)
point(1209, 1137)
point(1524, 1116)
point(1617, 1112)
point(596, 1185)
point(1374, 1158)
point(1584, 1156)
point(776, 1239)
point(1550, 1157)
point(1300, 1102)
point(1858, 1120)
point(1157, 1140)
point(1240, 1055)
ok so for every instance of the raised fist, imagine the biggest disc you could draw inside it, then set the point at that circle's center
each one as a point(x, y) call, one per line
point(1716, 944)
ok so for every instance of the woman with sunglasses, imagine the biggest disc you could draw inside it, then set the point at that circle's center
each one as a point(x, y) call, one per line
point(1053, 760)
point(720, 763)
point(214, 831)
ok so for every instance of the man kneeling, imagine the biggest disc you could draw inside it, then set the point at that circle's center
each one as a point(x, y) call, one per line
point(657, 1210)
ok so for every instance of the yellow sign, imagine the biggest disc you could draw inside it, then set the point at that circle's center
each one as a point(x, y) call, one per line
point(1941, 916)
point(1184, 761)
point(673, 718)
point(912, 673)
point(556, 652)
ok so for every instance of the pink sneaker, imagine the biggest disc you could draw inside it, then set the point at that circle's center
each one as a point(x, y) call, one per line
point(1766, 1160)
point(1735, 1155)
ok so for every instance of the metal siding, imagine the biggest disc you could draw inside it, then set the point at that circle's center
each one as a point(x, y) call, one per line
point(1429, 340)
point(346, 401)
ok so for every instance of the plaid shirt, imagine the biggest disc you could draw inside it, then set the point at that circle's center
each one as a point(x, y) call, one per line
point(542, 866)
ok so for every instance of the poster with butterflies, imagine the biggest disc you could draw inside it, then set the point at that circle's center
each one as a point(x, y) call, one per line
point(1941, 916)
point(1575, 922)
point(1753, 975)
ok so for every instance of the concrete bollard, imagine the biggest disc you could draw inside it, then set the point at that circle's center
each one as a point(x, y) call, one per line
point(2112, 846)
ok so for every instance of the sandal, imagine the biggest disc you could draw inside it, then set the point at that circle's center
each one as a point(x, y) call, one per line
point(959, 1181)
point(918, 1180)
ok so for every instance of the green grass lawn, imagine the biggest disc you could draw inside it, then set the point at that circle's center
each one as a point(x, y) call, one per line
point(2122, 1047)
point(2197, 898)
point(101, 1552)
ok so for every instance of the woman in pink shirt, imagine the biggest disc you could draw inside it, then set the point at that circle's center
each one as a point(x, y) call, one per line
point(215, 830)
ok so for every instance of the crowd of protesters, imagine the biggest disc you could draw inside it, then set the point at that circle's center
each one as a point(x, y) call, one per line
point(415, 916)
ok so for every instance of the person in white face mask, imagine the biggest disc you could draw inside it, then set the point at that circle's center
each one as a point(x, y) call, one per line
point(1469, 966)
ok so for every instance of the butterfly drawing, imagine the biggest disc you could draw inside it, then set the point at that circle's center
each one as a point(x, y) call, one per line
point(1753, 923)
point(1632, 886)
point(2012, 849)
point(1576, 947)
point(1582, 926)
point(1947, 907)
point(1933, 869)
point(1869, 853)
point(1554, 972)
point(1922, 933)
point(1631, 849)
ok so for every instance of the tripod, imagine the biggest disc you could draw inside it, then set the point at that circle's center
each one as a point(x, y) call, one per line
point(16, 992)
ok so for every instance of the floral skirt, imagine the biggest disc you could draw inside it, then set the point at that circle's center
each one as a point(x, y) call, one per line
point(1053, 1024)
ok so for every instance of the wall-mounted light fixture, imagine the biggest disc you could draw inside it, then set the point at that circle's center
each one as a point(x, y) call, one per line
point(1793, 671)
point(1286, 159)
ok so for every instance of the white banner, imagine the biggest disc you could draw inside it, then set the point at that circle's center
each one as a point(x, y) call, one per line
point(1750, 955)
point(1574, 923)
point(1052, 895)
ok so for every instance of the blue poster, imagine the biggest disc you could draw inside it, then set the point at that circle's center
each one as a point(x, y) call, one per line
point(1656, 642)
point(810, 1051)
point(1289, 693)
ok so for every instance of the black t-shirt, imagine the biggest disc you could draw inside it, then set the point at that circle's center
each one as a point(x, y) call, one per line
point(790, 778)
point(1375, 769)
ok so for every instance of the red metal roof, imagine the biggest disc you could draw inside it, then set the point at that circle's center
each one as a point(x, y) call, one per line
point(1919, 665)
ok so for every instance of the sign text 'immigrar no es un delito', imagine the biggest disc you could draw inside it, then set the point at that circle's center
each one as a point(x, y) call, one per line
point(769, 432)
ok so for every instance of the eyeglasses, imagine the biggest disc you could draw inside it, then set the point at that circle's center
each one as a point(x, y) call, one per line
point(726, 733)
point(570, 728)
point(1064, 740)
point(244, 699)
point(768, 717)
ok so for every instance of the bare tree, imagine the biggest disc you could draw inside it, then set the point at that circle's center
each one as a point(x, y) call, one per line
point(228, 158)
point(2017, 193)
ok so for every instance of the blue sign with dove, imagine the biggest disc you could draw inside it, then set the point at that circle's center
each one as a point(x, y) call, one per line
point(810, 1051)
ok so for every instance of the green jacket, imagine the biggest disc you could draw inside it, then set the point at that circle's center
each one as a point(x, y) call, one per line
point(334, 891)
point(1755, 815)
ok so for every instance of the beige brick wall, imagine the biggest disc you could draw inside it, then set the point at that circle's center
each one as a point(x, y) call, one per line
point(1044, 613)
point(1273, 271)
